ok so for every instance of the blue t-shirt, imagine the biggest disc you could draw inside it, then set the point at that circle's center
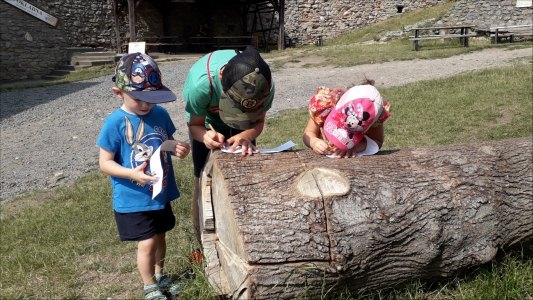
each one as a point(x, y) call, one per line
point(133, 139)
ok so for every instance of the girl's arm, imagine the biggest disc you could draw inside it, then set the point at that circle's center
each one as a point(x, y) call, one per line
point(376, 133)
point(313, 139)
point(109, 166)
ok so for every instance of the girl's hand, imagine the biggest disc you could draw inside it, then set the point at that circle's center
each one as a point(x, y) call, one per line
point(320, 146)
point(182, 149)
point(139, 175)
point(339, 153)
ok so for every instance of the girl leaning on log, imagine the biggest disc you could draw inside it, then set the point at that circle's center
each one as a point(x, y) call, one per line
point(346, 124)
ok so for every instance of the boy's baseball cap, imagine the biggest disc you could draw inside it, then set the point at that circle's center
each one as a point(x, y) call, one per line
point(246, 82)
point(357, 110)
point(139, 76)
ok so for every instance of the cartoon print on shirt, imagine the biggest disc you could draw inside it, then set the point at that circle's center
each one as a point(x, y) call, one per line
point(143, 148)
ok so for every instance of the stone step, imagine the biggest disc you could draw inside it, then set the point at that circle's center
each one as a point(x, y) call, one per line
point(61, 72)
point(91, 63)
point(51, 77)
point(85, 49)
point(72, 67)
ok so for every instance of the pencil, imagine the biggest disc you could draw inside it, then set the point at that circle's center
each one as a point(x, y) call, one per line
point(211, 126)
point(216, 134)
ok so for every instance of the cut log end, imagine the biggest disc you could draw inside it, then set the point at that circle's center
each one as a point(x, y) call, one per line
point(322, 183)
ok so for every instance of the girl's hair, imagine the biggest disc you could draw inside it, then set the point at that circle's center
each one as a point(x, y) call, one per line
point(366, 81)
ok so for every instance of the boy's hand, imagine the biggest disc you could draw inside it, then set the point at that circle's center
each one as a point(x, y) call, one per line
point(182, 149)
point(213, 140)
point(247, 147)
point(139, 175)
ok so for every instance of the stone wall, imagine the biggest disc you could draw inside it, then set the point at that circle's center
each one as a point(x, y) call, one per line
point(306, 20)
point(31, 48)
point(485, 14)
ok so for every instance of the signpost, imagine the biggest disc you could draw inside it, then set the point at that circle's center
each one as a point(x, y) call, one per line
point(34, 11)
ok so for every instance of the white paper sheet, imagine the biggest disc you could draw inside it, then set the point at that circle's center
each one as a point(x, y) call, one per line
point(157, 168)
point(371, 148)
point(283, 147)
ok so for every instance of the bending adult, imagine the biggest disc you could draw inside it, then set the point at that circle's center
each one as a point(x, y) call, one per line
point(232, 91)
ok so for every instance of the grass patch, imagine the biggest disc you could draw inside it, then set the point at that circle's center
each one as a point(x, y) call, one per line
point(64, 244)
point(85, 74)
point(67, 245)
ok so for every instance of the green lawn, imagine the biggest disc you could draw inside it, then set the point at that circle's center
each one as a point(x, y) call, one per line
point(64, 244)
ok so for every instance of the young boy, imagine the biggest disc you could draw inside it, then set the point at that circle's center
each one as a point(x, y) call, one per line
point(129, 138)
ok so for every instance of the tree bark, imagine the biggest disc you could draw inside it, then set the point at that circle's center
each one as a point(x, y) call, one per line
point(296, 222)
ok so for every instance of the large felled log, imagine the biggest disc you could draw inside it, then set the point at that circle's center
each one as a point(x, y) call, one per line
point(295, 221)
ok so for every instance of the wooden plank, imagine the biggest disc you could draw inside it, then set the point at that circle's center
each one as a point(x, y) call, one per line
point(512, 26)
point(444, 27)
point(205, 204)
point(446, 36)
point(234, 267)
point(213, 271)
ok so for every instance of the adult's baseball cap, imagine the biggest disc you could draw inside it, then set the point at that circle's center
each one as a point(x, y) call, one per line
point(355, 112)
point(139, 76)
point(246, 82)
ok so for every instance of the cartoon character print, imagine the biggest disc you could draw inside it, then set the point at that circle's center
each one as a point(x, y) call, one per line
point(143, 148)
point(142, 75)
point(355, 118)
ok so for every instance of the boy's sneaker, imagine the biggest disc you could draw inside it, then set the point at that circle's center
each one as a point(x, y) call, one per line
point(169, 286)
point(152, 292)
point(189, 274)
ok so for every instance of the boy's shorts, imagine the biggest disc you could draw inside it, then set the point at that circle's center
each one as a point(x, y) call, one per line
point(200, 151)
point(139, 226)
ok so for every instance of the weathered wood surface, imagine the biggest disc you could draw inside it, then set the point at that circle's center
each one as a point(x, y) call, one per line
point(289, 221)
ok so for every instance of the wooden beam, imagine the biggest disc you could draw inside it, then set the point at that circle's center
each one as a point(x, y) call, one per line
point(117, 31)
point(281, 25)
point(131, 14)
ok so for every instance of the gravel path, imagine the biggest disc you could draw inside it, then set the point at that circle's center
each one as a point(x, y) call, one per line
point(48, 135)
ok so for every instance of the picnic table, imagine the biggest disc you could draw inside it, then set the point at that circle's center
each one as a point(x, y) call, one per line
point(444, 32)
point(510, 32)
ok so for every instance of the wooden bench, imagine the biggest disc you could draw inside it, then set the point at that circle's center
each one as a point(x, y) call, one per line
point(510, 32)
point(234, 42)
point(444, 33)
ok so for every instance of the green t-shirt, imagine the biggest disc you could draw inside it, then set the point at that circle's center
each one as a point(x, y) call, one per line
point(199, 101)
